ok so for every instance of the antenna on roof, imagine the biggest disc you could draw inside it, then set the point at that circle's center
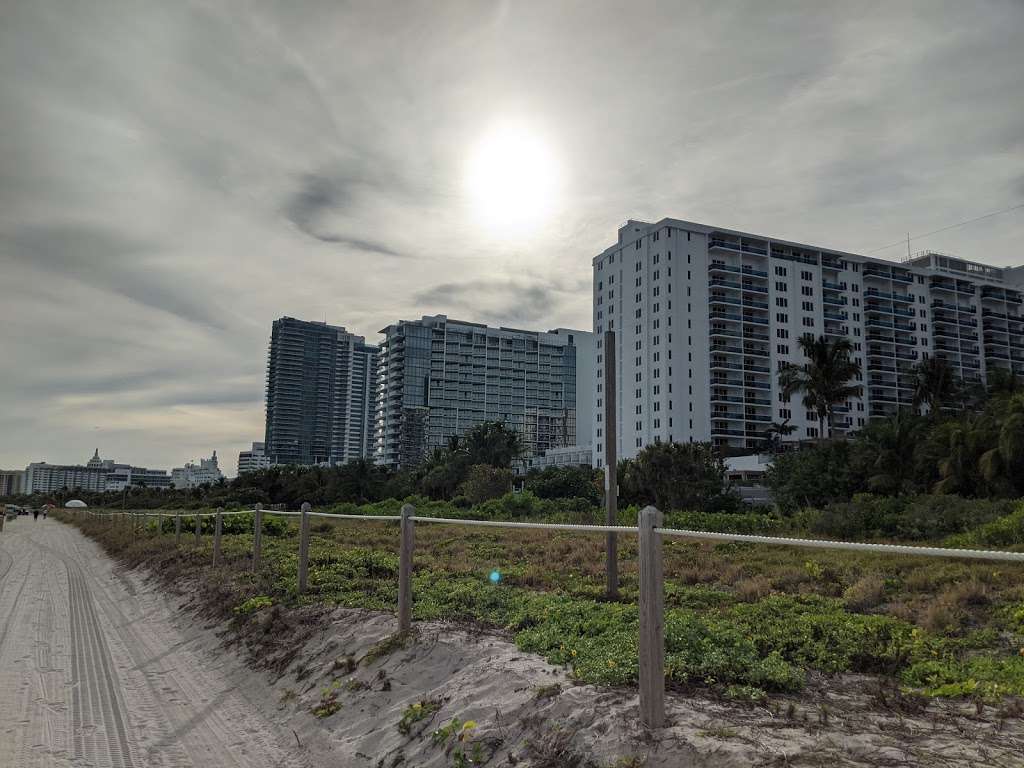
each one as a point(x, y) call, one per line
point(908, 246)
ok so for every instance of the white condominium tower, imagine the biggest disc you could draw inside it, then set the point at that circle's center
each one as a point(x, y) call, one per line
point(705, 317)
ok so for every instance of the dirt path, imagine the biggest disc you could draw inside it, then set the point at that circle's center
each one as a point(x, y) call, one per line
point(93, 674)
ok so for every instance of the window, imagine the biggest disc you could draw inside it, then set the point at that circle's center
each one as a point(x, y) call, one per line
point(808, 322)
point(780, 271)
point(804, 275)
point(808, 306)
point(781, 301)
point(781, 317)
point(807, 290)
point(856, 302)
point(782, 333)
point(782, 349)
point(780, 286)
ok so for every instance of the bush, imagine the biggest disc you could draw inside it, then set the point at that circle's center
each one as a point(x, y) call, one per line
point(484, 482)
point(1007, 531)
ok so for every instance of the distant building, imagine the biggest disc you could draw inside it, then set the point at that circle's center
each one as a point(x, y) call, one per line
point(321, 387)
point(123, 476)
point(254, 459)
point(440, 377)
point(96, 475)
point(746, 476)
point(11, 482)
point(206, 472)
point(569, 456)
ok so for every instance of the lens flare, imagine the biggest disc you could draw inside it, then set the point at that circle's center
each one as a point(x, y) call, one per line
point(495, 577)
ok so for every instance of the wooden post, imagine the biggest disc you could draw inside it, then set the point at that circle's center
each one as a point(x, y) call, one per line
point(304, 547)
point(257, 537)
point(652, 620)
point(218, 526)
point(177, 529)
point(199, 525)
point(408, 544)
point(611, 459)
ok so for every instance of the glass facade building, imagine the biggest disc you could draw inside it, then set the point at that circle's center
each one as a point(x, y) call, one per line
point(321, 382)
point(440, 377)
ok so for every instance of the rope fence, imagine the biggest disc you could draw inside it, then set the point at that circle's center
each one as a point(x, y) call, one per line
point(651, 594)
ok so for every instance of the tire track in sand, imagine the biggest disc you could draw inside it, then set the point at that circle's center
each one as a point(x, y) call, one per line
point(98, 722)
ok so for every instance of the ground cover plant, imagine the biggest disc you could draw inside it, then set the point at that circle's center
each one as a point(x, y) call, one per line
point(739, 618)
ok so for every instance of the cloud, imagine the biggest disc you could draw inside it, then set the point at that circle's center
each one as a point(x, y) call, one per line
point(108, 261)
point(497, 300)
point(317, 198)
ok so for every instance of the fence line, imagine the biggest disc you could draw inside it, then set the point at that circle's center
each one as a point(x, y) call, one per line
point(651, 595)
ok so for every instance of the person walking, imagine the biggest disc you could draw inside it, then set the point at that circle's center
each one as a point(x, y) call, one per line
point(35, 514)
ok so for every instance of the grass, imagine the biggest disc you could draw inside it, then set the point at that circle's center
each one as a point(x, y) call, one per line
point(740, 618)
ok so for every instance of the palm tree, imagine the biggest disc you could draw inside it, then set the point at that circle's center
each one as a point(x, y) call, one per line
point(889, 451)
point(935, 384)
point(824, 379)
point(773, 435)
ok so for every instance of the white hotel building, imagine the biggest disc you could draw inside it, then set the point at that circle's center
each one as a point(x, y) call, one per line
point(704, 317)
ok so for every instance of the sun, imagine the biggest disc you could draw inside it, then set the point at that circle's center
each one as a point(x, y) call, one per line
point(512, 179)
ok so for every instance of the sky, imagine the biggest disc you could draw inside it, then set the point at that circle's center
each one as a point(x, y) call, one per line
point(175, 176)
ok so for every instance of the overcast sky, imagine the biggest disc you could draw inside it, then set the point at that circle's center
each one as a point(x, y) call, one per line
point(176, 175)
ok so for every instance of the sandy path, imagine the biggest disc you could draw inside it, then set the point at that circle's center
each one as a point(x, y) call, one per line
point(94, 672)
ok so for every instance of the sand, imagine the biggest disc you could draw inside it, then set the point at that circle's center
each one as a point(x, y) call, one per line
point(100, 667)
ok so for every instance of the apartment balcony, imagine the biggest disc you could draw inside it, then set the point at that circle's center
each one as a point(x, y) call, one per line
point(871, 270)
point(906, 355)
point(763, 401)
point(754, 288)
point(727, 245)
point(875, 322)
point(732, 349)
point(720, 364)
point(719, 314)
point(879, 309)
point(829, 315)
point(986, 312)
point(902, 277)
point(725, 399)
point(721, 282)
point(833, 301)
point(718, 431)
point(830, 286)
point(747, 318)
point(730, 415)
point(757, 368)
point(876, 366)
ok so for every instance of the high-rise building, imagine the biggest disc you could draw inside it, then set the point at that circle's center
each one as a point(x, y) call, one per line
point(705, 317)
point(321, 381)
point(254, 459)
point(440, 377)
point(11, 482)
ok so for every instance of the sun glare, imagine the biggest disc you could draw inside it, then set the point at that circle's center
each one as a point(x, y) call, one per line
point(512, 180)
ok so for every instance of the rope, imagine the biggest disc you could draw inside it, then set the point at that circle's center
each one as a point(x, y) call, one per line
point(892, 549)
point(356, 517)
point(545, 526)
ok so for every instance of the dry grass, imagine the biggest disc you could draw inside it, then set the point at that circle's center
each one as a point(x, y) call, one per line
point(865, 593)
point(753, 589)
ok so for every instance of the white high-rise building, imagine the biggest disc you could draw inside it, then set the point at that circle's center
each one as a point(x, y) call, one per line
point(254, 459)
point(705, 317)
